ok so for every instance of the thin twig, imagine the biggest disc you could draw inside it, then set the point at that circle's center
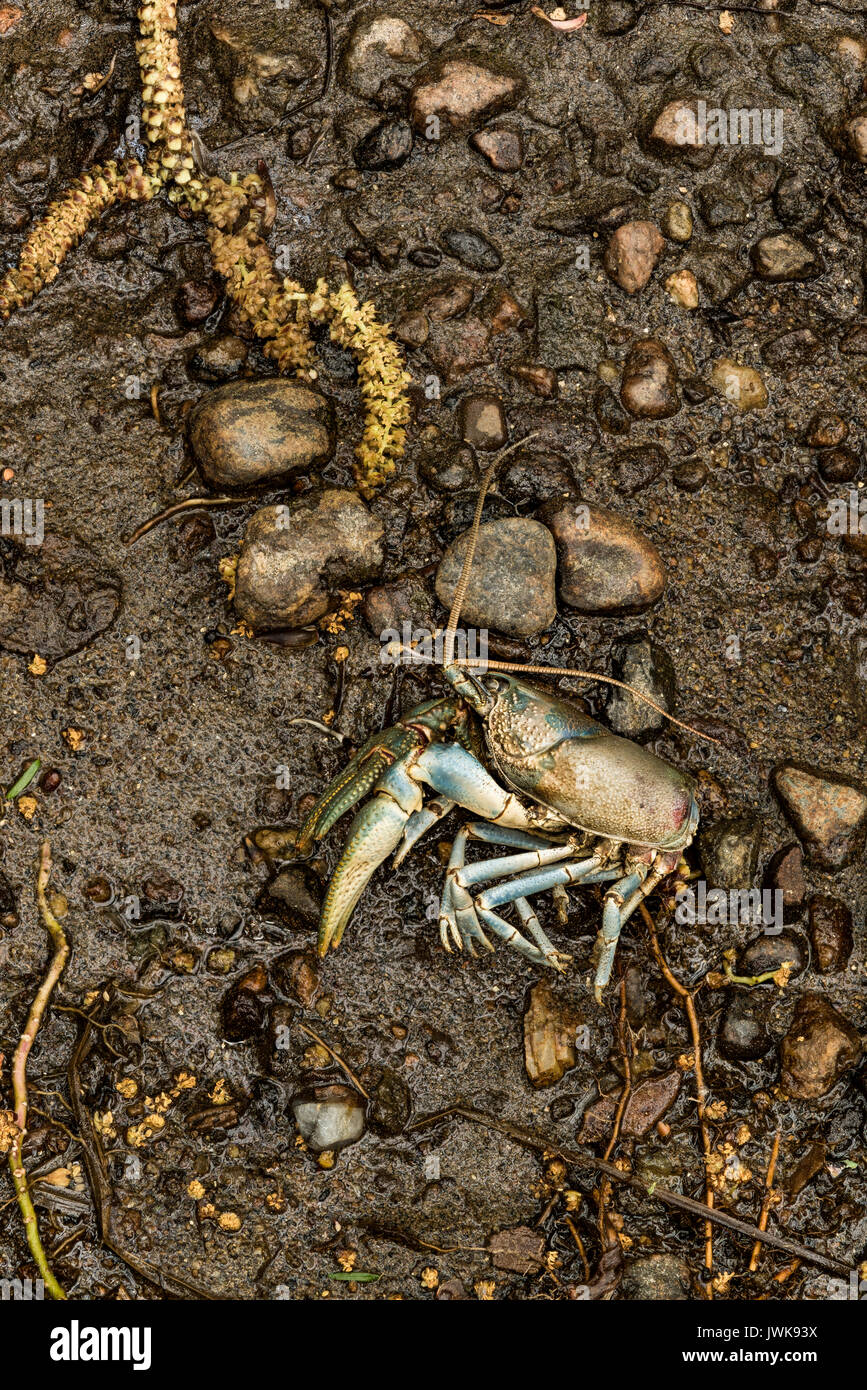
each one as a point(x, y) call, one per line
point(766, 1204)
point(60, 955)
point(182, 507)
point(337, 1057)
point(97, 1171)
point(701, 1089)
point(549, 1146)
point(466, 567)
point(605, 1186)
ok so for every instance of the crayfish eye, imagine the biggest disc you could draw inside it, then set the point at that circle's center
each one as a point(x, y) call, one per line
point(495, 685)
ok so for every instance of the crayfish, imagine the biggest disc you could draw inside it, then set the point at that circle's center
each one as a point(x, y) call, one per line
point(571, 801)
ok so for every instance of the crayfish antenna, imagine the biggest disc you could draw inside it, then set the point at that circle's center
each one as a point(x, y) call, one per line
point(477, 663)
point(463, 581)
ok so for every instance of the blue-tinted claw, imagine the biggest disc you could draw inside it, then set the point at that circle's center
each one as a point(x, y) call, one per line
point(374, 833)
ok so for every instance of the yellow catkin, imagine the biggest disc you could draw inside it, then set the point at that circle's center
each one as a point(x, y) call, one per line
point(65, 223)
point(279, 310)
point(381, 375)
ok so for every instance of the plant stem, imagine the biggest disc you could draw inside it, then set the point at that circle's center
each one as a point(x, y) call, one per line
point(19, 1072)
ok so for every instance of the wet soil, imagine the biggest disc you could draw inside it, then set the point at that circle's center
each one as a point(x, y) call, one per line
point(185, 727)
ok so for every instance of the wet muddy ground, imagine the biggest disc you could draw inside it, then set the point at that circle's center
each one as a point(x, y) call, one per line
point(169, 728)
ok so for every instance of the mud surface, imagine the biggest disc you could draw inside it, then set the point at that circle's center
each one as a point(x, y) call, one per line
point(185, 724)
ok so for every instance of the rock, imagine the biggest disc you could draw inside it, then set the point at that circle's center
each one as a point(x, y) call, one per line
point(819, 1047)
point(598, 211)
point(648, 667)
point(387, 146)
point(450, 1291)
point(512, 584)
point(222, 359)
point(785, 874)
point(460, 347)
point(730, 852)
point(683, 288)
point(827, 811)
point(110, 243)
point(542, 381)
point(649, 387)
point(483, 422)
point(273, 804)
point(521, 1250)
point(721, 206)
point(549, 1037)
point(244, 1007)
point(329, 1117)
point(766, 954)
point(764, 562)
point(792, 349)
point(676, 129)
point(294, 558)
point(451, 472)
point(606, 564)
point(448, 299)
point(658, 1278)
point(831, 933)
point(503, 148)
point(379, 46)
point(277, 1054)
point(721, 273)
point(471, 248)
point(390, 1103)
point(197, 299)
point(632, 253)
point(461, 92)
point(294, 897)
point(529, 479)
point(856, 134)
point(839, 465)
point(784, 257)
point(503, 310)
point(14, 216)
point(612, 418)
point(743, 1034)
point(803, 72)
point(742, 386)
point(637, 468)
point(797, 201)
point(826, 430)
point(755, 174)
point(691, 475)
point(811, 1163)
point(55, 598)
point(677, 222)
point(648, 1102)
point(413, 329)
point(403, 600)
point(251, 432)
point(297, 974)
